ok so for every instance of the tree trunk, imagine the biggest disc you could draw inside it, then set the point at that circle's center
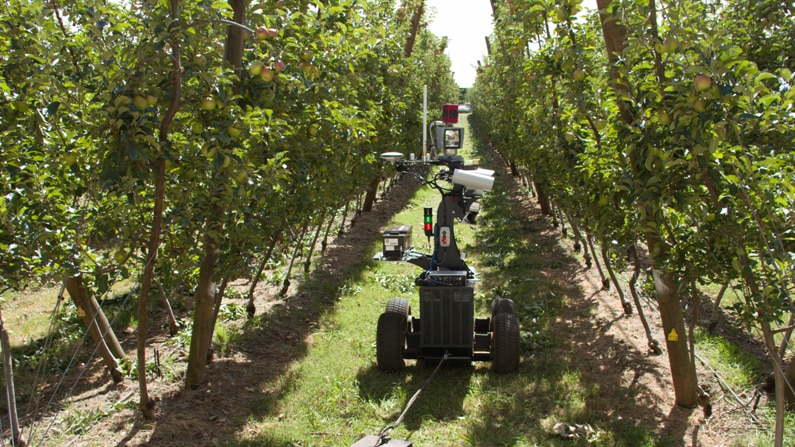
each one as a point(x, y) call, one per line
point(791, 380)
point(206, 289)
point(145, 404)
point(11, 398)
point(85, 310)
point(372, 192)
point(679, 356)
point(205, 301)
point(308, 261)
point(543, 199)
point(173, 327)
point(251, 308)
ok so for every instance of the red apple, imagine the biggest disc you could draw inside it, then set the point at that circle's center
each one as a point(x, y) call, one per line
point(307, 67)
point(279, 65)
point(267, 74)
point(262, 33)
point(702, 83)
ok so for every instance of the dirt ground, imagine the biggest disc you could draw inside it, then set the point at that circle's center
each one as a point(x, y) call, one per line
point(615, 347)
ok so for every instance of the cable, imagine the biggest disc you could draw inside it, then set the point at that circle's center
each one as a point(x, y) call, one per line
point(383, 435)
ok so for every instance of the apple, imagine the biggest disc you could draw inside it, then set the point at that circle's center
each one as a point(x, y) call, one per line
point(663, 117)
point(307, 67)
point(700, 105)
point(208, 103)
point(123, 101)
point(197, 128)
point(313, 129)
point(234, 132)
point(255, 68)
point(279, 65)
point(600, 124)
point(721, 130)
point(671, 44)
point(579, 75)
point(22, 106)
point(199, 60)
point(139, 101)
point(569, 137)
point(267, 74)
point(263, 33)
point(561, 15)
point(151, 100)
point(119, 257)
point(557, 55)
point(702, 83)
point(280, 4)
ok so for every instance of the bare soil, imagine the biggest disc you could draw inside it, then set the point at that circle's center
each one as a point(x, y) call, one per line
point(612, 347)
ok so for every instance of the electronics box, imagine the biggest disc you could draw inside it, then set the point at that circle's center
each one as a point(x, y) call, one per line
point(396, 241)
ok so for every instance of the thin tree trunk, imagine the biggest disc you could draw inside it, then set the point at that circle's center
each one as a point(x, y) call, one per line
point(145, 404)
point(605, 281)
point(324, 244)
point(219, 297)
point(308, 262)
point(790, 376)
point(82, 299)
point(624, 301)
point(296, 254)
point(11, 398)
point(713, 319)
point(341, 229)
point(251, 308)
point(653, 344)
point(173, 327)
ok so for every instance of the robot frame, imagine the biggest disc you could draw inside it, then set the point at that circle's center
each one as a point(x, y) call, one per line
point(446, 326)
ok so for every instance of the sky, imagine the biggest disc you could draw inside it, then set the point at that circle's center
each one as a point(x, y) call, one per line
point(466, 23)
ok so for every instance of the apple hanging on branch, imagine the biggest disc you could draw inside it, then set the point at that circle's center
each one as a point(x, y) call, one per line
point(263, 33)
point(208, 103)
point(702, 83)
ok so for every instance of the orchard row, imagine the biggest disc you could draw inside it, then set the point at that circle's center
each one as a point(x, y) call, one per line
point(187, 143)
point(661, 127)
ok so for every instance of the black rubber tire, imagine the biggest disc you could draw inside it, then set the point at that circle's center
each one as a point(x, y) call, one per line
point(398, 305)
point(505, 342)
point(502, 306)
point(390, 341)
